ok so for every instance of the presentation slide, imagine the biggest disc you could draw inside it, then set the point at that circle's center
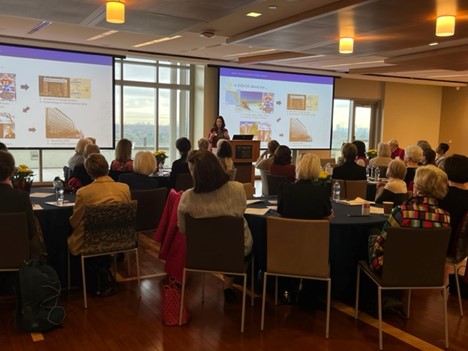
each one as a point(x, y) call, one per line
point(50, 98)
point(295, 109)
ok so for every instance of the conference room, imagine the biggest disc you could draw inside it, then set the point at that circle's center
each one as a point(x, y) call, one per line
point(388, 88)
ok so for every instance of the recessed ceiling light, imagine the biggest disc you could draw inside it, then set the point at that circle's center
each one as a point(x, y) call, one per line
point(433, 44)
point(254, 14)
point(272, 7)
point(157, 41)
point(103, 35)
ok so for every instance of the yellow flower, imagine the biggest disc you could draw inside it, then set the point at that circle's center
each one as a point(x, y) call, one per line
point(160, 156)
point(323, 175)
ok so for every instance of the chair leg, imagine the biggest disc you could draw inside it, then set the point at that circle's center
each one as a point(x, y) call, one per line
point(244, 293)
point(83, 276)
point(182, 295)
point(356, 305)
point(276, 290)
point(203, 288)
point(408, 304)
point(327, 325)
point(252, 282)
point(379, 302)
point(137, 258)
point(265, 274)
point(68, 271)
point(446, 318)
point(457, 283)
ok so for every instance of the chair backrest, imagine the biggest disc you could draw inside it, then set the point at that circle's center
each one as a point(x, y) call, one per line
point(66, 173)
point(249, 190)
point(109, 227)
point(263, 177)
point(415, 256)
point(274, 182)
point(215, 244)
point(116, 174)
point(356, 188)
point(324, 161)
point(459, 239)
point(150, 207)
point(14, 241)
point(298, 247)
point(183, 181)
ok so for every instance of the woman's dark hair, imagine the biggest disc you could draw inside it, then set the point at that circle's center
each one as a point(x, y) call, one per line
point(207, 172)
point(430, 156)
point(183, 145)
point(361, 148)
point(224, 150)
point(282, 155)
point(456, 167)
point(7, 165)
point(223, 124)
point(3, 147)
point(272, 146)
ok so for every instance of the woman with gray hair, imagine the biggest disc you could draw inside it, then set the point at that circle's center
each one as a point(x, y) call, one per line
point(413, 155)
point(383, 156)
point(421, 211)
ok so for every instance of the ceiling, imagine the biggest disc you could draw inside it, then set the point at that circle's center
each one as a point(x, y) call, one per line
point(392, 37)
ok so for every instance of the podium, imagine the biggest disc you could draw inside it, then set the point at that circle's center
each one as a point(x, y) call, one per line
point(244, 152)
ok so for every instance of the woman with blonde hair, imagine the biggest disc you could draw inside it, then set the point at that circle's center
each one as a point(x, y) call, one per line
point(123, 156)
point(394, 190)
point(383, 158)
point(307, 198)
point(144, 165)
point(413, 155)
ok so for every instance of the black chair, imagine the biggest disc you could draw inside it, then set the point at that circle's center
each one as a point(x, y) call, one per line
point(14, 241)
point(150, 207)
point(116, 174)
point(274, 182)
point(66, 173)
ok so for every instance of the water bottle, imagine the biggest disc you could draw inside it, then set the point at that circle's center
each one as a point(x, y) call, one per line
point(368, 172)
point(329, 169)
point(377, 173)
point(59, 192)
point(336, 191)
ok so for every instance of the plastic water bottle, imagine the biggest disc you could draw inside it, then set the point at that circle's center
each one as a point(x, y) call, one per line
point(336, 191)
point(160, 169)
point(329, 169)
point(59, 192)
point(377, 173)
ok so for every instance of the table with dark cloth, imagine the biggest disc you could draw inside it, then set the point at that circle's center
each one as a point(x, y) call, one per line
point(348, 244)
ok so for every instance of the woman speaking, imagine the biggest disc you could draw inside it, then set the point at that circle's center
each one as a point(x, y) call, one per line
point(218, 131)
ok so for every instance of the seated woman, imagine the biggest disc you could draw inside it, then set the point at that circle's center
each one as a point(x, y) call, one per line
point(266, 158)
point(413, 155)
point(224, 153)
point(395, 189)
point(282, 163)
point(203, 144)
point(14, 200)
point(78, 157)
point(383, 158)
point(123, 157)
point(183, 145)
point(456, 200)
point(79, 177)
point(361, 158)
point(421, 211)
point(102, 191)
point(213, 195)
point(428, 157)
point(306, 198)
point(144, 165)
point(349, 169)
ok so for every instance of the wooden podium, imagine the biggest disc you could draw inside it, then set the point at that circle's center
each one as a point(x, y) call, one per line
point(244, 152)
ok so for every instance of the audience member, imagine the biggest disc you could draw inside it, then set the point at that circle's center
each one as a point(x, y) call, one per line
point(183, 145)
point(395, 189)
point(144, 165)
point(306, 198)
point(428, 157)
point(224, 153)
point(14, 200)
point(266, 158)
point(78, 157)
point(3, 147)
point(203, 144)
point(441, 152)
point(456, 200)
point(396, 150)
point(361, 158)
point(413, 155)
point(383, 158)
point(79, 176)
point(123, 157)
point(424, 144)
point(102, 191)
point(213, 195)
point(349, 170)
point(282, 163)
point(421, 211)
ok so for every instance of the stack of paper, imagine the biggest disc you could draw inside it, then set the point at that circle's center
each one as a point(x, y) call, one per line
point(356, 202)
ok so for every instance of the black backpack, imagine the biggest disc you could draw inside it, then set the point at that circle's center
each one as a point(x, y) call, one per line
point(38, 295)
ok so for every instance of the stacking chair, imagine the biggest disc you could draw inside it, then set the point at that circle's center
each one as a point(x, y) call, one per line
point(14, 241)
point(407, 268)
point(216, 251)
point(458, 253)
point(274, 182)
point(109, 229)
point(249, 190)
point(183, 181)
point(356, 188)
point(150, 207)
point(297, 248)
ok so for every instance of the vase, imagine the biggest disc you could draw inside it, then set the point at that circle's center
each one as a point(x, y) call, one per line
point(23, 184)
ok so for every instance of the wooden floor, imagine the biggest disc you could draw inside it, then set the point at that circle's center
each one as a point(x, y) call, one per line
point(123, 322)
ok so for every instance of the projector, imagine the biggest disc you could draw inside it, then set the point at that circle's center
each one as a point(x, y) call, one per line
point(207, 35)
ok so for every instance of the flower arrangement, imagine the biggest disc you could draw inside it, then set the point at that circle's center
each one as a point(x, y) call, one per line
point(371, 153)
point(160, 156)
point(22, 178)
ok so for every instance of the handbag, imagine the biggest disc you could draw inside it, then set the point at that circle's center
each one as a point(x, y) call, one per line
point(171, 304)
point(453, 284)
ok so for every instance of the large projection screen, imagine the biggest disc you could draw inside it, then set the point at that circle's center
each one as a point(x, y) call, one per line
point(50, 98)
point(295, 109)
